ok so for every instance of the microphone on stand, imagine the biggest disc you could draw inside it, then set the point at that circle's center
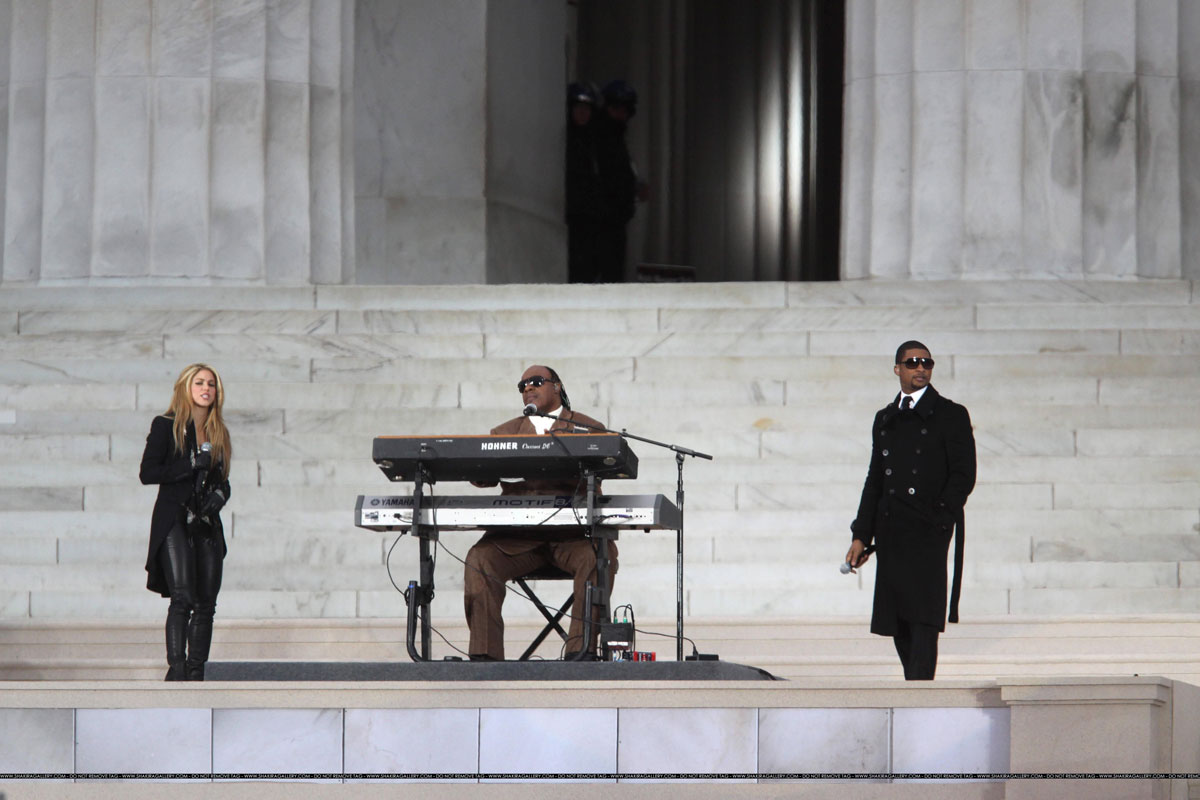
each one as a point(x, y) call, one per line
point(530, 410)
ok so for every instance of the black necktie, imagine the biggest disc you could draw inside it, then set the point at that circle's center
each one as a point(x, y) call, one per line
point(906, 404)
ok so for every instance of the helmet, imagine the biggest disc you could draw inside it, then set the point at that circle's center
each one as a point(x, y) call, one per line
point(583, 93)
point(620, 93)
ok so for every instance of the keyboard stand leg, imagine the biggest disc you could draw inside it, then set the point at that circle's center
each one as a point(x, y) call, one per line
point(420, 595)
point(597, 596)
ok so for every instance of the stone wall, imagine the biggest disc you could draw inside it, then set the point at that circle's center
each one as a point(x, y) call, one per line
point(1021, 137)
point(157, 141)
point(459, 142)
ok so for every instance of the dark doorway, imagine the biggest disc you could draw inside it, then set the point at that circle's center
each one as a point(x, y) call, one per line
point(738, 130)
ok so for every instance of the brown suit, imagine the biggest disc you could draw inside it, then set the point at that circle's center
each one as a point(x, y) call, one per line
point(502, 555)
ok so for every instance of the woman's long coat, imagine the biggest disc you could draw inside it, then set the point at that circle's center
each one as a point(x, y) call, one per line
point(172, 471)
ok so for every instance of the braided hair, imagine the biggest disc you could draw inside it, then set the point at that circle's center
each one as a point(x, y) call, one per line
point(562, 390)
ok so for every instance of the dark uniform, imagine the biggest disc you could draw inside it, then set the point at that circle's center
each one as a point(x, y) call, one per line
point(922, 470)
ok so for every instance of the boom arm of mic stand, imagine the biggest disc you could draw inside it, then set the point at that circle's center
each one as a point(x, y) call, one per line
point(680, 452)
point(627, 435)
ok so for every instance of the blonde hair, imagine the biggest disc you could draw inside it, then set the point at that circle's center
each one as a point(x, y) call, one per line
point(214, 426)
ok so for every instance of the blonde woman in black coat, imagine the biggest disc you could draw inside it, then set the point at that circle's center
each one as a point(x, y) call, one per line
point(187, 454)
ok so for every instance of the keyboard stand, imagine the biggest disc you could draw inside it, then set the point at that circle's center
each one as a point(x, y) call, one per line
point(420, 592)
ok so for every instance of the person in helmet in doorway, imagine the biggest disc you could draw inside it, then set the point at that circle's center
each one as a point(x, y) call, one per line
point(585, 209)
point(618, 184)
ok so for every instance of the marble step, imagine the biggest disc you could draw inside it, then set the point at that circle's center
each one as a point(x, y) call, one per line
point(1048, 633)
point(990, 558)
point(997, 523)
point(176, 321)
point(540, 296)
point(707, 494)
point(881, 667)
point(1010, 536)
point(753, 294)
point(950, 365)
point(159, 373)
point(709, 587)
point(131, 423)
point(1172, 414)
point(279, 544)
point(833, 343)
point(245, 575)
point(816, 394)
point(847, 293)
point(23, 298)
point(962, 314)
point(851, 645)
point(358, 548)
point(651, 597)
point(1163, 546)
point(36, 649)
point(533, 296)
point(663, 344)
point(812, 577)
point(1086, 455)
point(1014, 531)
point(883, 292)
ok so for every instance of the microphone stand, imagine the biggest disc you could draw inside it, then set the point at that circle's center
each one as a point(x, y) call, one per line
point(679, 452)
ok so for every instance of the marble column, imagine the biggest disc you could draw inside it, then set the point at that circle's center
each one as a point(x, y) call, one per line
point(1000, 138)
point(177, 140)
point(459, 137)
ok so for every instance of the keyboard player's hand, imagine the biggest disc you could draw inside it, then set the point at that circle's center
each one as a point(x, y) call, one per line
point(484, 484)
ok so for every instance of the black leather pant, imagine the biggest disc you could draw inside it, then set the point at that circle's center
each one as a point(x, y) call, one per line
point(192, 563)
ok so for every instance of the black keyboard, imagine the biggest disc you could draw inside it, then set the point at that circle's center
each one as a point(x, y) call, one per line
point(489, 458)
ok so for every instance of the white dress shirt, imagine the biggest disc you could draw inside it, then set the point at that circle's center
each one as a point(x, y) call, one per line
point(916, 396)
point(543, 424)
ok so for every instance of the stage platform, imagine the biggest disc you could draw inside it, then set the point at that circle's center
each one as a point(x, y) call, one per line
point(483, 671)
point(752, 738)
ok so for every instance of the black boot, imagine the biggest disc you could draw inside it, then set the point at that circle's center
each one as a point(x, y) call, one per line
point(199, 640)
point(176, 642)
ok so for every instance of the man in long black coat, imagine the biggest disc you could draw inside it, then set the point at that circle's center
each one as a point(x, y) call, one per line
point(922, 469)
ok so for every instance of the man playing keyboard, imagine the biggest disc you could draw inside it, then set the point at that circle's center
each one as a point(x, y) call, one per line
point(504, 554)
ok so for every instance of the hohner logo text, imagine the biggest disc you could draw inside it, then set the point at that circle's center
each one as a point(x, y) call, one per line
point(499, 445)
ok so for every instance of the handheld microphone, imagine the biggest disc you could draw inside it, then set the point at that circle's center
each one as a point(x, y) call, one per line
point(530, 410)
point(847, 567)
point(202, 474)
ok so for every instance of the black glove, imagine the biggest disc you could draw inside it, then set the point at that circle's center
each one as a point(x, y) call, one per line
point(212, 505)
point(203, 460)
